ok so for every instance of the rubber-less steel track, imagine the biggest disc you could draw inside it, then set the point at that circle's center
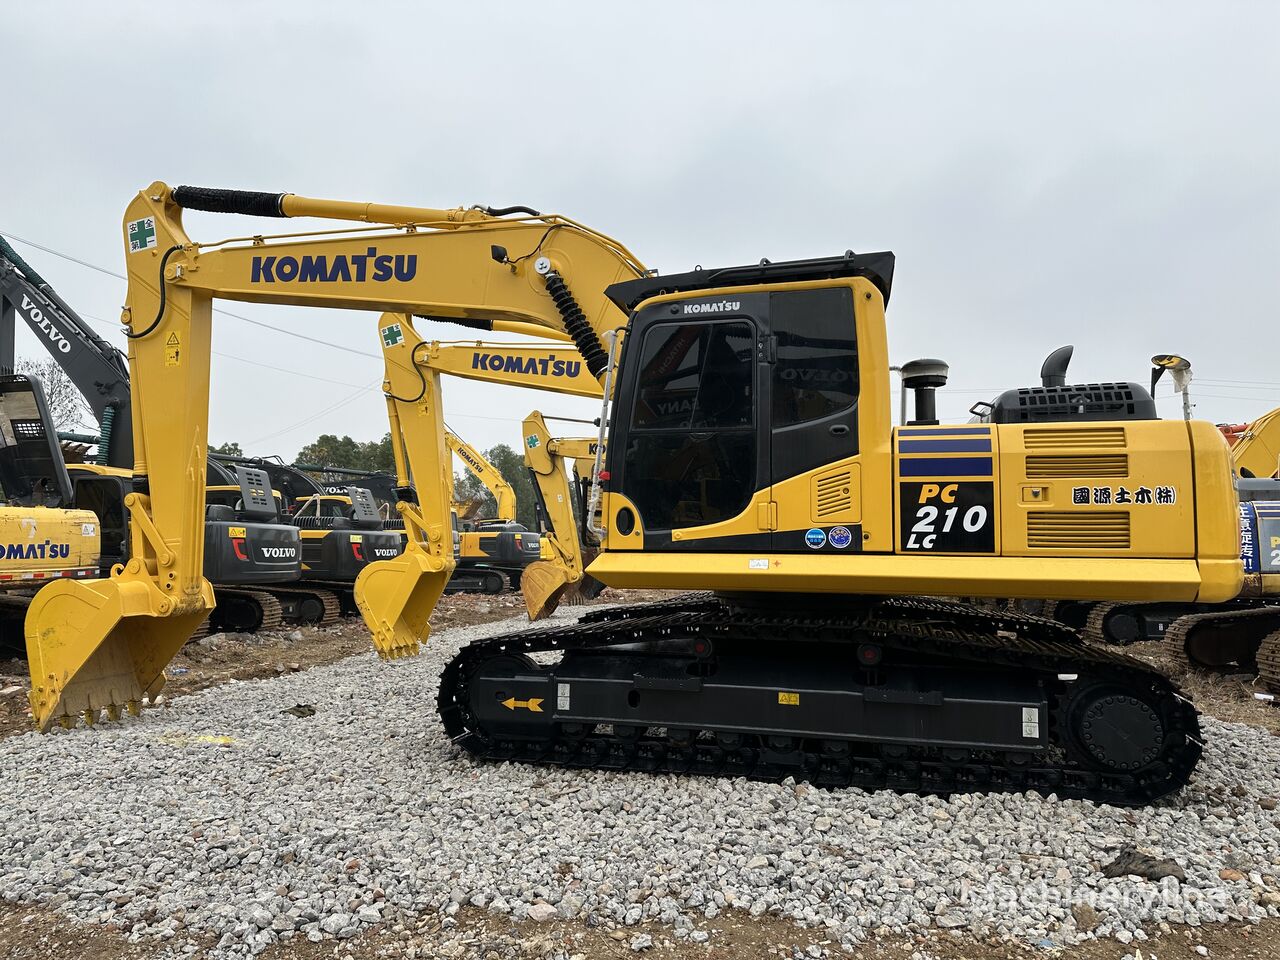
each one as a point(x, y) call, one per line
point(270, 612)
point(1198, 639)
point(1269, 662)
point(999, 643)
point(330, 604)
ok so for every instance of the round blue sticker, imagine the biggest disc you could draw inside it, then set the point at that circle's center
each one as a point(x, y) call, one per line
point(840, 537)
point(815, 538)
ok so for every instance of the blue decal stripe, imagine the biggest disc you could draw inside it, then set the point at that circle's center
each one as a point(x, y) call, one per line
point(944, 431)
point(945, 467)
point(976, 445)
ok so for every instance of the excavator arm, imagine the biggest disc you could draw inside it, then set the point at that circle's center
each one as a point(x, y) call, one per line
point(549, 459)
point(486, 473)
point(96, 367)
point(93, 645)
point(1255, 448)
point(536, 367)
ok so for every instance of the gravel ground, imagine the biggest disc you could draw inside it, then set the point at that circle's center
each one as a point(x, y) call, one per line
point(221, 823)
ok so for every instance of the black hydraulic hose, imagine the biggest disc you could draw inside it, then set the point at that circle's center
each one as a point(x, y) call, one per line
point(164, 287)
point(413, 354)
point(576, 325)
point(250, 203)
point(507, 211)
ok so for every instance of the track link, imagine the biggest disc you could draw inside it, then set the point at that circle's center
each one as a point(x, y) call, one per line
point(928, 630)
point(271, 613)
point(1094, 629)
point(1269, 662)
point(1207, 652)
point(330, 603)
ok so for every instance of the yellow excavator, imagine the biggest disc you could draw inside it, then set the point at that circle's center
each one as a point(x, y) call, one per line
point(492, 551)
point(541, 569)
point(504, 497)
point(567, 533)
point(750, 455)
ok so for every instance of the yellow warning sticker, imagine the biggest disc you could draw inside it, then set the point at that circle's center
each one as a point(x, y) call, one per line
point(357, 538)
point(172, 353)
point(788, 699)
point(174, 340)
point(235, 531)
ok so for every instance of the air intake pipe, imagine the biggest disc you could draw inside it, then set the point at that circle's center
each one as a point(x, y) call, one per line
point(924, 377)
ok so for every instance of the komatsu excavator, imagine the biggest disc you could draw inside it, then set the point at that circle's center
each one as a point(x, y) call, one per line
point(494, 551)
point(1240, 634)
point(562, 506)
point(536, 567)
point(252, 558)
point(750, 455)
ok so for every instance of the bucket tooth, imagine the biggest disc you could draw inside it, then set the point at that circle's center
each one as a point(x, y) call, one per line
point(133, 708)
point(94, 642)
point(397, 597)
point(113, 711)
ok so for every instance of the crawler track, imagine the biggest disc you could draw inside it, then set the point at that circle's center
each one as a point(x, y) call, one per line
point(1113, 729)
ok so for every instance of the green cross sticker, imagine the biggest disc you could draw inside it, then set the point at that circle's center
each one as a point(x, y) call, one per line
point(392, 335)
point(532, 442)
point(142, 234)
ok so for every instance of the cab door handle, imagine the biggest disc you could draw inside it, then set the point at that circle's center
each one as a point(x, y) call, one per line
point(838, 429)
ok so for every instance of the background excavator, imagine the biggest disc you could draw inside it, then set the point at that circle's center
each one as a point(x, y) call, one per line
point(340, 533)
point(749, 453)
point(249, 555)
point(1240, 634)
point(492, 551)
point(563, 492)
point(42, 536)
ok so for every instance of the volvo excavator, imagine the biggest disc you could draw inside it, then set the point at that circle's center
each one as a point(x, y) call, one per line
point(253, 559)
point(340, 532)
point(749, 456)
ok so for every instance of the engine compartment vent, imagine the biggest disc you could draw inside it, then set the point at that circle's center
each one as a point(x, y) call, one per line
point(1073, 437)
point(833, 495)
point(1078, 530)
point(1078, 402)
point(1059, 466)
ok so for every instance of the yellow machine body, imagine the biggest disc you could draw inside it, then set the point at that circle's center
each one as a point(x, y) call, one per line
point(1125, 510)
point(44, 543)
point(96, 644)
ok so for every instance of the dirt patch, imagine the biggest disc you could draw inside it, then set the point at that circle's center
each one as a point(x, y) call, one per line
point(477, 935)
point(39, 933)
point(221, 657)
point(1226, 696)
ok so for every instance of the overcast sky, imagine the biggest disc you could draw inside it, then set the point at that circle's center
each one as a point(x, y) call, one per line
point(1106, 175)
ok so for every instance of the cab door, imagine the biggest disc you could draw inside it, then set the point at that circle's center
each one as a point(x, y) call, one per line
point(815, 468)
point(694, 453)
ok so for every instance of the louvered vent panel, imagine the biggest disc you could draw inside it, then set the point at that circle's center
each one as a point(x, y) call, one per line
point(1070, 530)
point(1073, 437)
point(833, 494)
point(1051, 466)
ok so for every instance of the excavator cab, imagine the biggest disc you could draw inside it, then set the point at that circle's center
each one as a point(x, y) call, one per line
point(246, 542)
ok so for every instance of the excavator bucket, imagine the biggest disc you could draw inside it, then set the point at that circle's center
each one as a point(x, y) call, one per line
point(97, 645)
point(543, 584)
point(397, 597)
